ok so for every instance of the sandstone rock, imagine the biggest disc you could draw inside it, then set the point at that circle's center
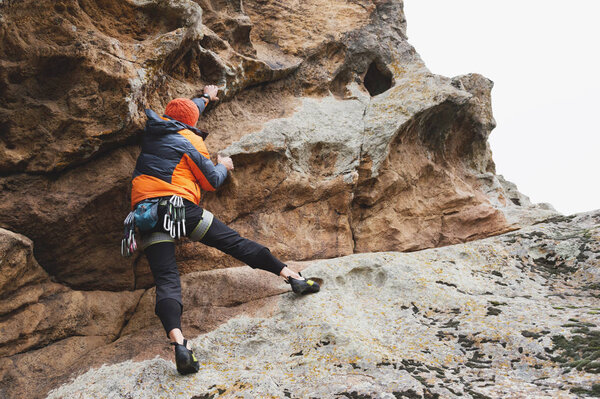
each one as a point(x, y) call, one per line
point(45, 325)
point(75, 78)
point(212, 297)
point(64, 314)
point(72, 75)
point(516, 206)
point(343, 142)
point(27, 374)
point(513, 315)
point(420, 194)
point(18, 268)
point(72, 219)
point(307, 106)
point(23, 286)
point(401, 184)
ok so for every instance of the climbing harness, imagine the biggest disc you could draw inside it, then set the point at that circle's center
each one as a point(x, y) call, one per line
point(145, 217)
point(154, 238)
point(203, 226)
point(128, 244)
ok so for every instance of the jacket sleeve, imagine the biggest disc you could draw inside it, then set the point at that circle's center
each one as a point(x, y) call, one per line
point(200, 103)
point(208, 175)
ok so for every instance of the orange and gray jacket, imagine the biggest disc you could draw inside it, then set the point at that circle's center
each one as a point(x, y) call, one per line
point(174, 161)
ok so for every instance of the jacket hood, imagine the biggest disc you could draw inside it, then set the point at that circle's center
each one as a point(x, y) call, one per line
point(156, 125)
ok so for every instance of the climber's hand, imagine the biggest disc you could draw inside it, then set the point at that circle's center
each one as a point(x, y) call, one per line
point(226, 161)
point(212, 91)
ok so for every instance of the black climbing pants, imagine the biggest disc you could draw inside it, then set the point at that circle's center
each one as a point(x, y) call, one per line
point(161, 257)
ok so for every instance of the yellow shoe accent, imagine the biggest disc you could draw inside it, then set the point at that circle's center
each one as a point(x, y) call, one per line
point(310, 282)
point(194, 357)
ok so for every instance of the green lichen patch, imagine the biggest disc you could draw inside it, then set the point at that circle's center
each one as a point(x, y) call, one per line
point(533, 334)
point(580, 351)
point(594, 391)
point(491, 311)
point(556, 219)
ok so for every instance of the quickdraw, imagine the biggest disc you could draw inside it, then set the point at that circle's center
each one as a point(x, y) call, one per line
point(128, 243)
point(174, 220)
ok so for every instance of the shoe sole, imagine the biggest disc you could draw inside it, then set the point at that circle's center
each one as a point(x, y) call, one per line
point(303, 287)
point(189, 365)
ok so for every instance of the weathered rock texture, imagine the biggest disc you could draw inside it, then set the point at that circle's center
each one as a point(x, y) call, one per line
point(512, 316)
point(44, 326)
point(49, 332)
point(343, 140)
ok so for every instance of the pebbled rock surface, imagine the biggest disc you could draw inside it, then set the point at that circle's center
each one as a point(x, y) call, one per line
point(515, 315)
point(46, 327)
point(343, 140)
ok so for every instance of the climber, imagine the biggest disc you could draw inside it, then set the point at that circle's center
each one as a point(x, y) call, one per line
point(172, 168)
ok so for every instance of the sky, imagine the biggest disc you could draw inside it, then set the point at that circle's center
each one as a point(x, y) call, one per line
point(544, 59)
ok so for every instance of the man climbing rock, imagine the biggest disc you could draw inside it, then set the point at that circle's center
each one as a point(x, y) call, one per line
point(172, 168)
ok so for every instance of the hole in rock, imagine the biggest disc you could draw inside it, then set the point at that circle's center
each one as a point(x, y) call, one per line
point(55, 76)
point(211, 71)
point(4, 130)
point(377, 81)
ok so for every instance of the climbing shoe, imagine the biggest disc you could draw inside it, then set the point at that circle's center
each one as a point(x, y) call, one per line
point(185, 359)
point(303, 287)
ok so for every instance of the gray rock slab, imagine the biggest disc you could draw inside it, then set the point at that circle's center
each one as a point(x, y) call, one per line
point(515, 315)
point(330, 123)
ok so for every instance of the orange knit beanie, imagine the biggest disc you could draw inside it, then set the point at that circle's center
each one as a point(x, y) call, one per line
point(183, 110)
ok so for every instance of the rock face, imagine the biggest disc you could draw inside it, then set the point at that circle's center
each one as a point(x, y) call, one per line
point(343, 140)
point(49, 332)
point(510, 316)
point(45, 327)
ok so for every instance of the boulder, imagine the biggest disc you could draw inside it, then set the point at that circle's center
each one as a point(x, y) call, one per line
point(18, 269)
point(343, 140)
point(343, 143)
point(45, 327)
point(512, 315)
point(62, 333)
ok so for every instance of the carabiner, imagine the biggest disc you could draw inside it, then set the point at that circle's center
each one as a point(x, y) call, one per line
point(167, 223)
